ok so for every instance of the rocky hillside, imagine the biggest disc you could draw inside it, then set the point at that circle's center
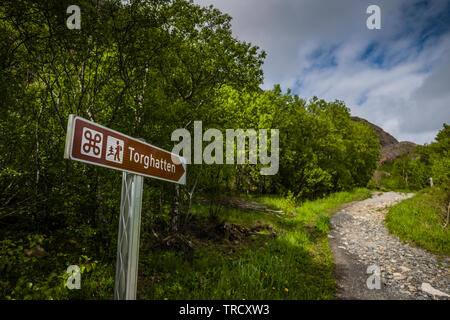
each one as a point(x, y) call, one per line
point(385, 138)
point(390, 147)
point(394, 151)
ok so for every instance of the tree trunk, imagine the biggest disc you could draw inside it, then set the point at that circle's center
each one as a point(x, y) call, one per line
point(38, 171)
point(100, 217)
point(175, 210)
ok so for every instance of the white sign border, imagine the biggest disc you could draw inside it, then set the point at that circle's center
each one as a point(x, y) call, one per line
point(69, 144)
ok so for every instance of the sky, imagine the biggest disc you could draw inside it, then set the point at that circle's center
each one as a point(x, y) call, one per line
point(397, 77)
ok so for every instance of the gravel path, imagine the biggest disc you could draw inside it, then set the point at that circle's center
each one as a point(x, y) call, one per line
point(359, 239)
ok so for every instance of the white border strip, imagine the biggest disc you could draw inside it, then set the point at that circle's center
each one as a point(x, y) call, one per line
point(69, 144)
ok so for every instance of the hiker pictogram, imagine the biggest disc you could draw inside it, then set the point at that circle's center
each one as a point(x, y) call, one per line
point(114, 150)
point(91, 143)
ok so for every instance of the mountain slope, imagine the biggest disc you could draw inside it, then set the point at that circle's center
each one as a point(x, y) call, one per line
point(390, 147)
point(385, 138)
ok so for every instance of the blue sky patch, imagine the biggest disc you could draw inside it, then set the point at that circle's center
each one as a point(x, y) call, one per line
point(323, 58)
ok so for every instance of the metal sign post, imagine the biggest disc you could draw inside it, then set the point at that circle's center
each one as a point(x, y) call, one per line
point(128, 238)
point(92, 143)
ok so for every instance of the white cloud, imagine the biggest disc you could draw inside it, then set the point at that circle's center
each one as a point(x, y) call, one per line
point(401, 84)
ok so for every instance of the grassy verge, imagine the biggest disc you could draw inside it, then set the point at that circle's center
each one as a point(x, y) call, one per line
point(420, 221)
point(296, 264)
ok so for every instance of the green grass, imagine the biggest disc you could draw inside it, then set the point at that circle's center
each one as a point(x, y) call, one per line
point(26, 278)
point(297, 264)
point(420, 221)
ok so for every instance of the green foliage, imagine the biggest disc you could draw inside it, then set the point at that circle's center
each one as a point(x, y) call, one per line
point(440, 158)
point(422, 220)
point(405, 173)
point(413, 171)
point(144, 69)
point(45, 277)
point(321, 149)
point(441, 171)
point(297, 264)
point(144, 79)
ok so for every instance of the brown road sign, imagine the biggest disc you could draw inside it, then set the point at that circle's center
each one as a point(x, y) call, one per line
point(92, 143)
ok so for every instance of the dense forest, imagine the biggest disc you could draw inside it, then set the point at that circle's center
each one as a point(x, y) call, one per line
point(413, 170)
point(147, 69)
